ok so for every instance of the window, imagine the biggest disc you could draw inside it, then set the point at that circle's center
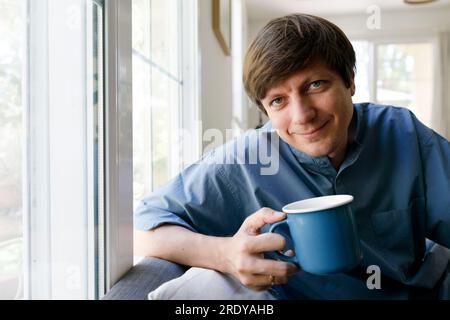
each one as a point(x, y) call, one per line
point(51, 136)
point(397, 74)
point(156, 92)
point(363, 71)
point(12, 69)
point(164, 91)
point(166, 126)
point(405, 77)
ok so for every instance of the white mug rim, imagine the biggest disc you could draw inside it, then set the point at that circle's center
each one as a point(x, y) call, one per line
point(318, 203)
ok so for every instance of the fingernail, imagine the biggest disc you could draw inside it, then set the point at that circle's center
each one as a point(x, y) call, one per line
point(278, 214)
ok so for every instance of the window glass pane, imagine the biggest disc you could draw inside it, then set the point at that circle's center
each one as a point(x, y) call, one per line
point(142, 146)
point(165, 95)
point(165, 54)
point(12, 68)
point(156, 93)
point(405, 77)
point(165, 35)
point(141, 27)
point(362, 51)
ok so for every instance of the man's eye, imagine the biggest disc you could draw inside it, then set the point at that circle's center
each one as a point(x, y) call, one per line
point(316, 84)
point(276, 102)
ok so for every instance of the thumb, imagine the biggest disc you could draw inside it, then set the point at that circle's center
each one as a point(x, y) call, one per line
point(256, 221)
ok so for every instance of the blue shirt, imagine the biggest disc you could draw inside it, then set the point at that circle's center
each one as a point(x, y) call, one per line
point(397, 169)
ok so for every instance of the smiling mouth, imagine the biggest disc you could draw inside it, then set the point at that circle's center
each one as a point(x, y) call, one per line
point(313, 131)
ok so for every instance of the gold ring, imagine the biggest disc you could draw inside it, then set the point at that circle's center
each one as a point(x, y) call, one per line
point(272, 280)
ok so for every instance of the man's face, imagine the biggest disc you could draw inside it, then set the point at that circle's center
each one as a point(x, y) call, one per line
point(312, 110)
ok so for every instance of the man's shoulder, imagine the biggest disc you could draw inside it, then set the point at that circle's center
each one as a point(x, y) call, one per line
point(393, 121)
point(381, 117)
point(383, 112)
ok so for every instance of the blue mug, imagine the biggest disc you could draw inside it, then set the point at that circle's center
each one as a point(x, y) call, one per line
point(324, 235)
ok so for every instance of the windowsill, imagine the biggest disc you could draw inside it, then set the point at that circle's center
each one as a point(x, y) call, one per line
point(147, 275)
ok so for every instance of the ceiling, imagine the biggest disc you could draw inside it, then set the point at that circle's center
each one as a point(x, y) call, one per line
point(269, 9)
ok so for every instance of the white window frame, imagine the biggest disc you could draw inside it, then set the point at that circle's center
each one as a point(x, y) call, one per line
point(191, 111)
point(96, 198)
point(57, 148)
point(118, 141)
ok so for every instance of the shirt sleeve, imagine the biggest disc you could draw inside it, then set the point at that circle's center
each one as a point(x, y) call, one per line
point(435, 153)
point(200, 199)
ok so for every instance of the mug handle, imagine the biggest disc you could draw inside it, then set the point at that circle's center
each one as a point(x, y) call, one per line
point(276, 254)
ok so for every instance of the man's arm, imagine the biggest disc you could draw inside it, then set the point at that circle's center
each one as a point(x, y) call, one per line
point(436, 154)
point(240, 255)
point(180, 245)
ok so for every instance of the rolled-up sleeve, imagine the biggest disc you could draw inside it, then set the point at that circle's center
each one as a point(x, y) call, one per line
point(200, 199)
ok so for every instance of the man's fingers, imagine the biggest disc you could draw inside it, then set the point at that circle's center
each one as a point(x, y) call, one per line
point(256, 221)
point(280, 280)
point(275, 268)
point(266, 242)
point(259, 282)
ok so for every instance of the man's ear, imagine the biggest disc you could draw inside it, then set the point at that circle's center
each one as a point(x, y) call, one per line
point(353, 87)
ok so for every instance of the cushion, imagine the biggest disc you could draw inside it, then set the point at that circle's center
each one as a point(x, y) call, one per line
point(206, 284)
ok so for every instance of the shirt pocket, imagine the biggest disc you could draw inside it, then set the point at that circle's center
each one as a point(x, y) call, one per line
point(395, 230)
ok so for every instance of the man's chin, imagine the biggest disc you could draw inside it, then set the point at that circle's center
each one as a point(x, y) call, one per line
point(313, 149)
point(312, 152)
point(315, 154)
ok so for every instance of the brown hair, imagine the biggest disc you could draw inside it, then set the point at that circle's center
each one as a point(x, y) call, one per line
point(289, 44)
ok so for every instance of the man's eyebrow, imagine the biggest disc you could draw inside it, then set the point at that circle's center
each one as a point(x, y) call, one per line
point(319, 75)
point(270, 96)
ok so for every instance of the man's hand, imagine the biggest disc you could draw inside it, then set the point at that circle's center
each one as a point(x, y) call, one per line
point(244, 253)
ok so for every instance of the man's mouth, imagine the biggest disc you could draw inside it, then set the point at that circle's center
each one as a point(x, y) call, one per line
point(313, 132)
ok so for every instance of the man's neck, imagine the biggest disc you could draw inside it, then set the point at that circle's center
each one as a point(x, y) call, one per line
point(338, 158)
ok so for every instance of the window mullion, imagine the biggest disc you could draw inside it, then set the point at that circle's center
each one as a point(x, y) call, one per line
point(191, 110)
point(373, 75)
point(118, 137)
point(37, 219)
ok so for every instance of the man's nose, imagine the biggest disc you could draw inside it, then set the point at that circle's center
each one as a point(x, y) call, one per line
point(302, 112)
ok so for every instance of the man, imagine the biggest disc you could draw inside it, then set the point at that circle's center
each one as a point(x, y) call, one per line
point(300, 72)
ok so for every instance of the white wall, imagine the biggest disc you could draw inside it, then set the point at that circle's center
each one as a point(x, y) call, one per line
point(401, 23)
point(396, 23)
point(216, 76)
